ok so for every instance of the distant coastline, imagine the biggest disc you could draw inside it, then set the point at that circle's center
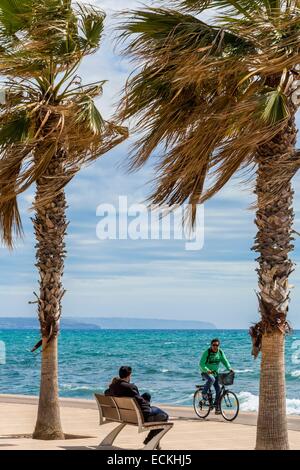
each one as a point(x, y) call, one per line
point(113, 323)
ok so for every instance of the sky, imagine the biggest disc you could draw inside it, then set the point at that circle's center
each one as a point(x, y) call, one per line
point(144, 278)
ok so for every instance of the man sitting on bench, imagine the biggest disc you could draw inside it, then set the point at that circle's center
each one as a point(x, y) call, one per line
point(122, 387)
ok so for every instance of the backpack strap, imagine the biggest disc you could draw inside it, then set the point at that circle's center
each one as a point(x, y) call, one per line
point(208, 355)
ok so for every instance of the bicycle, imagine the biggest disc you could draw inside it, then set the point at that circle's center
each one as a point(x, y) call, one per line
point(228, 402)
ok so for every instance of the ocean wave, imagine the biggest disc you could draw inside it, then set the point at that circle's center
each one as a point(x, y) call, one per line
point(295, 373)
point(73, 387)
point(249, 402)
point(242, 371)
point(183, 400)
point(164, 370)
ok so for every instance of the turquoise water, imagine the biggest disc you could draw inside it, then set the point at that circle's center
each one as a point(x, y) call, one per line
point(165, 363)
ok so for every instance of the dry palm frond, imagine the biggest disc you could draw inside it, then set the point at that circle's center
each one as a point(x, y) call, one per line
point(206, 96)
point(47, 109)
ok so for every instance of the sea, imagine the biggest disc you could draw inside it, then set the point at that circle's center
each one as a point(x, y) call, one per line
point(165, 363)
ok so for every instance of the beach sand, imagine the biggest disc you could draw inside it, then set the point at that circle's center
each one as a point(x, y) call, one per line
point(80, 420)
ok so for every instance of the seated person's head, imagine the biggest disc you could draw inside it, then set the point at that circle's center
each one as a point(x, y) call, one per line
point(125, 373)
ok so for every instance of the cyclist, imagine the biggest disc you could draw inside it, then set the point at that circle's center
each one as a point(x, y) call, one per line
point(209, 365)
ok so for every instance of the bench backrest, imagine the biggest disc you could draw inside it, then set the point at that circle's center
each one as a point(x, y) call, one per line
point(119, 409)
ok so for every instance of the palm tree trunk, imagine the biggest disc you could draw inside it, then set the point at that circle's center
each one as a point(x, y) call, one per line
point(50, 229)
point(48, 425)
point(277, 164)
point(272, 425)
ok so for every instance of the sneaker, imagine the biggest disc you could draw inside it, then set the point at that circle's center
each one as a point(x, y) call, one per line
point(217, 411)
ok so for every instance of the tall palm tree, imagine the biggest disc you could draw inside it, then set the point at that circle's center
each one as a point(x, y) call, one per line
point(49, 128)
point(213, 99)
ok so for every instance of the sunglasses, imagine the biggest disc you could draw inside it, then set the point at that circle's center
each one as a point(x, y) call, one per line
point(215, 344)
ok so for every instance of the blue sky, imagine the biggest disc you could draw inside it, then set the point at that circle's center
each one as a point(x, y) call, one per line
point(144, 278)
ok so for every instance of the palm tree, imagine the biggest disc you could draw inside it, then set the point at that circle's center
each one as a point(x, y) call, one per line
point(214, 99)
point(49, 128)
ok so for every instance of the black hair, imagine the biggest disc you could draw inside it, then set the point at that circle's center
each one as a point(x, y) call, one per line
point(124, 371)
point(215, 340)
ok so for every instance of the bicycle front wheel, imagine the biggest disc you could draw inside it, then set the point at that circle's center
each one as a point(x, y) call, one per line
point(229, 405)
point(201, 407)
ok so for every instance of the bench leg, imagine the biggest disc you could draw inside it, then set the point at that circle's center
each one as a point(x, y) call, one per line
point(156, 439)
point(109, 439)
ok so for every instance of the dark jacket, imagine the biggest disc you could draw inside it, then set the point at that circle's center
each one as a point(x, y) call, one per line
point(121, 388)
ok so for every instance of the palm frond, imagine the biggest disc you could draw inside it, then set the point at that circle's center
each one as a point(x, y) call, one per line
point(15, 15)
point(91, 25)
point(10, 221)
point(15, 130)
point(274, 107)
point(241, 7)
point(88, 114)
point(167, 31)
point(46, 29)
point(48, 113)
point(206, 97)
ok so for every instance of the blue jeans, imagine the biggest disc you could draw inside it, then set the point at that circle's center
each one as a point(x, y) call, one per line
point(156, 414)
point(211, 380)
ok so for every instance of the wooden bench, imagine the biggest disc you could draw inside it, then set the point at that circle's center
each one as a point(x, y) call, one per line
point(126, 411)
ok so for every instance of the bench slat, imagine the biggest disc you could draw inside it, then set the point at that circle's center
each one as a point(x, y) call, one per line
point(110, 413)
point(128, 416)
point(125, 403)
point(158, 424)
point(105, 400)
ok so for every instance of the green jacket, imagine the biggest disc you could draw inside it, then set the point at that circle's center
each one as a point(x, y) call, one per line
point(211, 361)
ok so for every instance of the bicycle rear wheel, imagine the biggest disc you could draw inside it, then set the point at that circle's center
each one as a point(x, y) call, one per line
point(229, 405)
point(201, 407)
